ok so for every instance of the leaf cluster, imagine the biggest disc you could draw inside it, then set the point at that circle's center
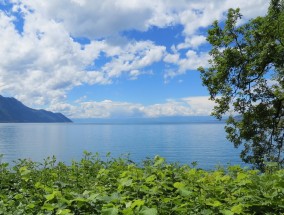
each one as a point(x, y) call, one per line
point(119, 186)
point(246, 78)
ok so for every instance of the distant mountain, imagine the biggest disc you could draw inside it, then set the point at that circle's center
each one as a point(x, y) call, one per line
point(12, 110)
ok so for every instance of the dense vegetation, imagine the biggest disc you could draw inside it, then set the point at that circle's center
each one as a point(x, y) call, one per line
point(119, 186)
point(246, 76)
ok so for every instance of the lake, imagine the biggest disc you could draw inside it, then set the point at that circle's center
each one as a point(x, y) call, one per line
point(185, 143)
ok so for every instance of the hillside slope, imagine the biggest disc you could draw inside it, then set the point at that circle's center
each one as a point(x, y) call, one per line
point(12, 110)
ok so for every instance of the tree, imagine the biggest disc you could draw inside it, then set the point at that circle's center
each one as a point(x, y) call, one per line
point(246, 78)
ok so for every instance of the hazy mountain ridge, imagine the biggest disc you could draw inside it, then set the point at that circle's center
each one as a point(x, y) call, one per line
point(158, 120)
point(12, 110)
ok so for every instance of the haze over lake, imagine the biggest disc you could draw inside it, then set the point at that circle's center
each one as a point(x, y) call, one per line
point(204, 142)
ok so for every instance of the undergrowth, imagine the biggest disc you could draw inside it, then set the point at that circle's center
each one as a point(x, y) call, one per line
point(119, 186)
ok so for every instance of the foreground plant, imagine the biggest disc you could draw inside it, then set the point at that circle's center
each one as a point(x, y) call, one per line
point(119, 186)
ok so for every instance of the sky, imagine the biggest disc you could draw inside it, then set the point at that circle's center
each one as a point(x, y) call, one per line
point(111, 58)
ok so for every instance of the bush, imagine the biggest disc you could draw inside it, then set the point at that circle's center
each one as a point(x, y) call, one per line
point(119, 186)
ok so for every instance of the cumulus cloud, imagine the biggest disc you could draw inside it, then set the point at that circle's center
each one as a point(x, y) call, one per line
point(43, 61)
point(200, 14)
point(192, 42)
point(93, 19)
point(97, 18)
point(133, 57)
point(200, 105)
point(190, 106)
point(191, 61)
point(102, 109)
point(172, 58)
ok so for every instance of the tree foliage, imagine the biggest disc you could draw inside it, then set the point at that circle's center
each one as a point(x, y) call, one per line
point(246, 77)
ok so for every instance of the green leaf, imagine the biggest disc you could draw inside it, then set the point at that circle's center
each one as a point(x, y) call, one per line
point(49, 197)
point(214, 203)
point(38, 185)
point(128, 204)
point(48, 207)
point(185, 192)
point(227, 212)
point(159, 161)
point(64, 212)
point(241, 176)
point(137, 203)
point(179, 185)
point(238, 209)
point(79, 199)
point(151, 178)
point(148, 211)
point(30, 206)
point(125, 182)
point(128, 211)
point(110, 211)
point(18, 196)
point(93, 197)
point(24, 170)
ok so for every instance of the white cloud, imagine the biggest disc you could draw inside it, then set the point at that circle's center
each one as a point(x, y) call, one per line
point(191, 61)
point(133, 57)
point(103, 109)
point(95, 19)
point(190, 106)
point(172, 58)
point(200, 104)
point(192, 42)
point(200, 14)
point(134, 74)
point(249, 9)
point(43, 62)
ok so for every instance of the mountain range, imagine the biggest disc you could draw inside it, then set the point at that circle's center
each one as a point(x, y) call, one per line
point(12, 110)
point(158, 120)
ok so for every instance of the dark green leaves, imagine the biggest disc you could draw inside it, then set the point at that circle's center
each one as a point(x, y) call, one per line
point(245, 78)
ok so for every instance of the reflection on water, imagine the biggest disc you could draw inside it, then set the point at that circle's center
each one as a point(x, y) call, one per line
point(184, 143)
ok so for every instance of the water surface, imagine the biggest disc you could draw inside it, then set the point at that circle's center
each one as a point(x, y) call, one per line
point(184, 143)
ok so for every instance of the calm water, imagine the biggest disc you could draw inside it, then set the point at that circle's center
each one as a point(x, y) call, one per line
point(184, 143)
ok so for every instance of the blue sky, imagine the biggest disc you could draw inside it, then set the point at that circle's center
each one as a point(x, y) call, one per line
point(103, 59)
